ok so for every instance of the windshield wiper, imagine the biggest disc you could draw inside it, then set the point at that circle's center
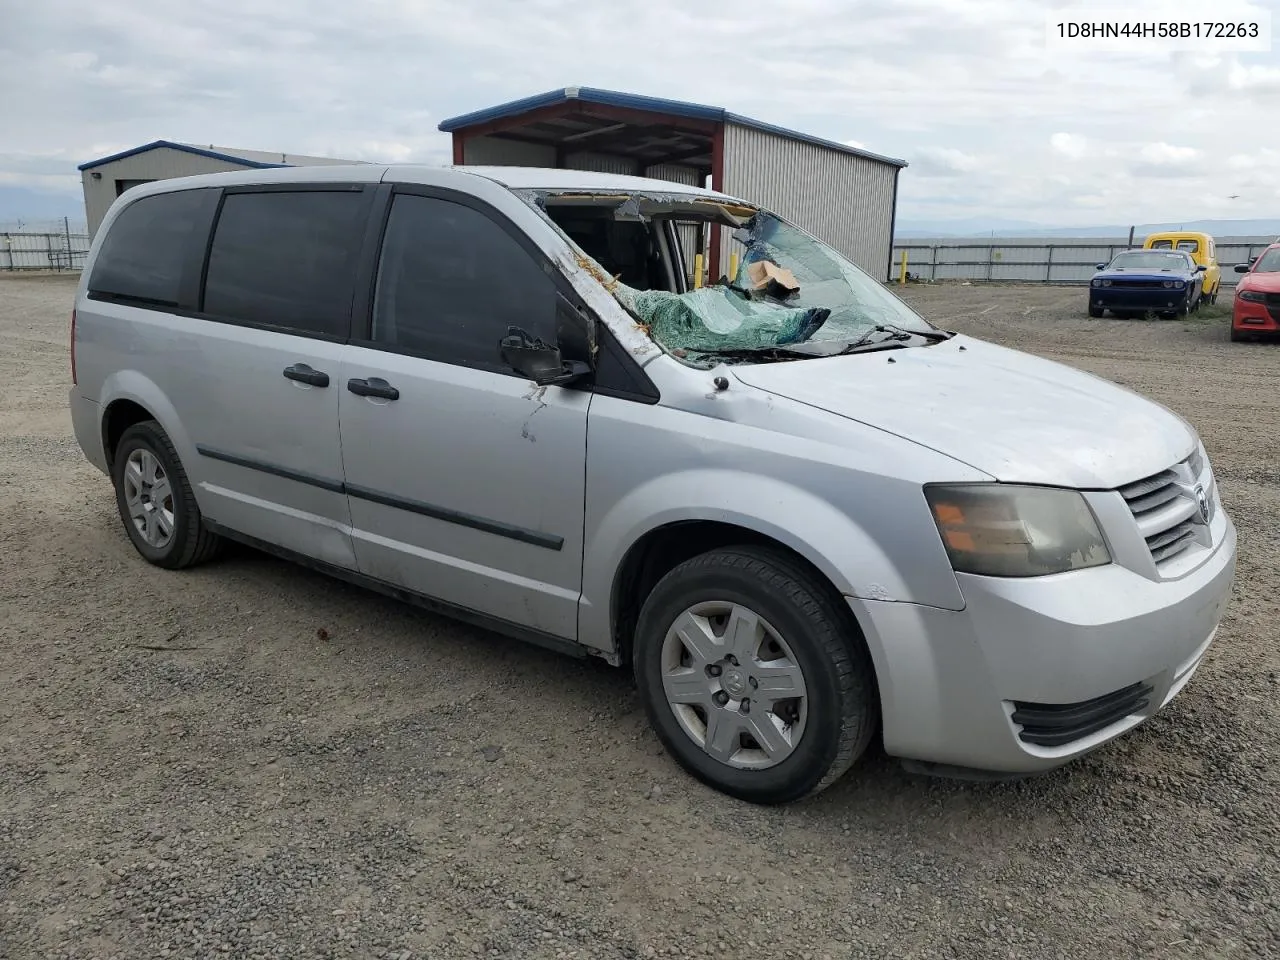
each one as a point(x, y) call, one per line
point(893, 338)
point(755, 354)
point(933, 336)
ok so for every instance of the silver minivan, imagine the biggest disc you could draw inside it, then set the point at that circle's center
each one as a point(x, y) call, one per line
point(803, 516)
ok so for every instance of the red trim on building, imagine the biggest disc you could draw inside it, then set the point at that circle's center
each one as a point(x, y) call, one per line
point(717, 183)
point(458, 154)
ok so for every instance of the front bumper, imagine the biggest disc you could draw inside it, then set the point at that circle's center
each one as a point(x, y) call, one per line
point(1138, 298)
point(1249, 315)
point(952, 681)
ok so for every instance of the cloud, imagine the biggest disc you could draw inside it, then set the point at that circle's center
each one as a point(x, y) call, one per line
point(962, 88)
point(944, 161)
point(1167, 153)
point(1254, 78)
point(1069, 145)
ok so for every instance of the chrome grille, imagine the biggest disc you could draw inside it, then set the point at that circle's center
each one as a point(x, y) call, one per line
point(1166, 509)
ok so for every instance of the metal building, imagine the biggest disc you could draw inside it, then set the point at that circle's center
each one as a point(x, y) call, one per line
point(107, 178)
point(845, 196)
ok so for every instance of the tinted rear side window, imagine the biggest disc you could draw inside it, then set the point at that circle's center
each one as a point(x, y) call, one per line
point(287, 259)
point(152, 246)
point(451, 281)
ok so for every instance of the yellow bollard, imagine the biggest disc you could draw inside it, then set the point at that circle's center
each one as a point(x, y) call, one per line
point(697, 271)
point(902, 274)
point(733, 267)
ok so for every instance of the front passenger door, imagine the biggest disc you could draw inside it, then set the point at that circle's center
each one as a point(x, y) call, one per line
point(465, 481)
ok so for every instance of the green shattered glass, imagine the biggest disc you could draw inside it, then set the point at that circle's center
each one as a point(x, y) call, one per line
point(718, 318)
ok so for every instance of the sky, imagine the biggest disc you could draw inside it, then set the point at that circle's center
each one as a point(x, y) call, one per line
point(995, 122)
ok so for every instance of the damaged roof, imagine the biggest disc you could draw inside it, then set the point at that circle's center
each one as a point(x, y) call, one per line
point(579, 127)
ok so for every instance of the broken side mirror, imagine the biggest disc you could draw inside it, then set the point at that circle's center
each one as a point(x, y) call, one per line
point(539, 361)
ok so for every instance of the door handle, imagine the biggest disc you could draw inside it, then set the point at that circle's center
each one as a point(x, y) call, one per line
point(373, 387)
point(304, 374)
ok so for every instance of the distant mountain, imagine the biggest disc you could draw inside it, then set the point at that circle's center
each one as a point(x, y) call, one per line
point(966, 229)
point(20, 206)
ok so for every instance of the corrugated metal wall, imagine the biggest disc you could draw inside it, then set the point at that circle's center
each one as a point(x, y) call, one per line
point(492, 152)
point(162, 163)
point(842, 199)
point(600, 163)
point(690, 176)
point(676, 173)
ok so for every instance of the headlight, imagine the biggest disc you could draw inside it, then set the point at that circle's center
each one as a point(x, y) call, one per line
point(1106, 283)
point(1002, 530)
point(1097, 283)
point(1253, 296)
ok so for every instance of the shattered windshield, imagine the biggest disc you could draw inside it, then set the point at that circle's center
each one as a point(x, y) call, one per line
point(782, 293)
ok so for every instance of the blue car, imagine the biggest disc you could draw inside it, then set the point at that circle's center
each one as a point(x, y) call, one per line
point(1137, 281)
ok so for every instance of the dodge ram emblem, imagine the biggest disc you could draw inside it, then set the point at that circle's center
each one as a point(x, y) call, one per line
point(1202, 500)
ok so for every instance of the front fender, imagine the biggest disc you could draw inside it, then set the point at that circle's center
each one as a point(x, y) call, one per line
point(829, 538)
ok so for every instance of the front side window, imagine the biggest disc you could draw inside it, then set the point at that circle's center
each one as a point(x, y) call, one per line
point(149, 245)
point(451, 281)
point(287, 259)
point(1269, 262)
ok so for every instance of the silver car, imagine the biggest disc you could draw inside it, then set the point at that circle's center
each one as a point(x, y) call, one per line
point(804, 517)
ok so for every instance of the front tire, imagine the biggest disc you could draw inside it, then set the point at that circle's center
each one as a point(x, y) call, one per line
point(155, 500)
point(754, 676)
point(1096, 312)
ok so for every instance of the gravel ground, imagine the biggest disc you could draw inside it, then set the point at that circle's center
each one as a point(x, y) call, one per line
point(249, 760)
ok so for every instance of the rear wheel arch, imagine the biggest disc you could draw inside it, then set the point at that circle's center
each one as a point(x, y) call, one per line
point(119, 416)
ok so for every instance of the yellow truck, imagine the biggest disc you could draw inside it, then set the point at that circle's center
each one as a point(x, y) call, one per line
point(1201, 248)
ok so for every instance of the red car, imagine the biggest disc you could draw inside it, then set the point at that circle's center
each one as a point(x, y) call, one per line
point(1257, 300)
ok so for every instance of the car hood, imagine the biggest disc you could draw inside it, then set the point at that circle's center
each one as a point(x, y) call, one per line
point(1143, 275)
point(1262, 282)
point(1014, 416)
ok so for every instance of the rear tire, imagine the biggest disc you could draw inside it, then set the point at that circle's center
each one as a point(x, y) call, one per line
point(156, 504)
point(733, 629)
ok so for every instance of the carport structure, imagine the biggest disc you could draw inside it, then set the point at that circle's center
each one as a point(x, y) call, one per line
point(842, 194)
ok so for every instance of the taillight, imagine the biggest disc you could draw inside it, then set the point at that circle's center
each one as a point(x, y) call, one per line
point(73, 348)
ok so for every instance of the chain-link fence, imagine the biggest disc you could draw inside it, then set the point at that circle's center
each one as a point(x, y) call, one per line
point(1039, 261)
point(47, 250)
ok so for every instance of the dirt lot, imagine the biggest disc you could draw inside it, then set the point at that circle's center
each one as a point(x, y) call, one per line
point(190, 768)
